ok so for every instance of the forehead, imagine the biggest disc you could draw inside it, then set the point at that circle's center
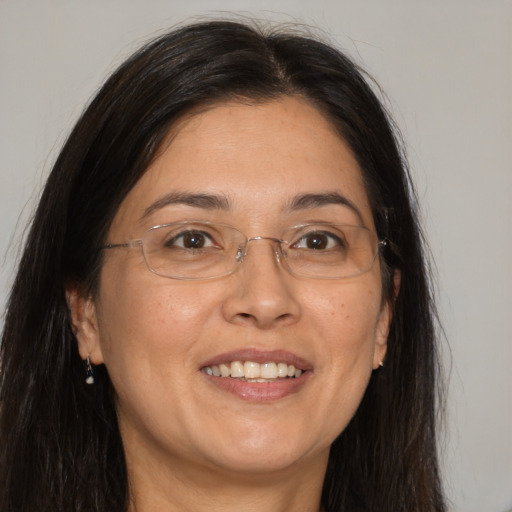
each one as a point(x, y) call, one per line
point(258, 156)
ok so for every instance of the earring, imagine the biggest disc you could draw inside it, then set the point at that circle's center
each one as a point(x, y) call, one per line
point(381, 364)
point(89, 374)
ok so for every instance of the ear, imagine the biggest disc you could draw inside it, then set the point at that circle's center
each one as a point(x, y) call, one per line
point(384, 323)
point(84, 322)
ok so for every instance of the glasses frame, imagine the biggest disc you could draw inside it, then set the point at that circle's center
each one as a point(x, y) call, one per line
point(242, 251)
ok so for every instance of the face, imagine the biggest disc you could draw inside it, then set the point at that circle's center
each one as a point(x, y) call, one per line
point(158, 336)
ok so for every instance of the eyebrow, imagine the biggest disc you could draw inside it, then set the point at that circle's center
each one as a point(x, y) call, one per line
point(204, 201)
point(221, 202)
point(309, 201)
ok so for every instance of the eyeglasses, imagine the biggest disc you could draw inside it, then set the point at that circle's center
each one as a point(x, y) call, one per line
point(203, 250)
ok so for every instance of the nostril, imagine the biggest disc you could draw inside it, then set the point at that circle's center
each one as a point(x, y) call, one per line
point(284, 316)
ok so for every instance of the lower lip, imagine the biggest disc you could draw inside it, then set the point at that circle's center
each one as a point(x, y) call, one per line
point(259, 391)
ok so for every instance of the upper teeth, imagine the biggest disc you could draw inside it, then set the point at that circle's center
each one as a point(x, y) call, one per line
point(251, 370)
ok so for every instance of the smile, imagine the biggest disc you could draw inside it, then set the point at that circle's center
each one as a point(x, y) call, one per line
point(250, 371)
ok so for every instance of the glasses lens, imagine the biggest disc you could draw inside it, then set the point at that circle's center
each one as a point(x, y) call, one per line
point(190, 250)
point(329, 251)
point(200, 250)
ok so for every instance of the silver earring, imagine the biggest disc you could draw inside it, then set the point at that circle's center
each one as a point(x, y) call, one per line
point(381, 364)
point(89, 374)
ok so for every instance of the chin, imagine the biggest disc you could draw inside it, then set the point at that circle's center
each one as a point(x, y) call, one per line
point(265, 452)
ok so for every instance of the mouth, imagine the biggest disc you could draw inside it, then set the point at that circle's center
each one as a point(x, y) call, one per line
point(251, 371)
point(257, 376)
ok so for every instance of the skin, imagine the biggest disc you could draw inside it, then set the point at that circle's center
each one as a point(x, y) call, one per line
point(190, 445)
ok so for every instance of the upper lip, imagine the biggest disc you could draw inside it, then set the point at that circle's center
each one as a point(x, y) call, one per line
point(259, 356)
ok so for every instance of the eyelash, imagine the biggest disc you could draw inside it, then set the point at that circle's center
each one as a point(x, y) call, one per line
point(172, 241)
point(203, 236)
point(337, 240)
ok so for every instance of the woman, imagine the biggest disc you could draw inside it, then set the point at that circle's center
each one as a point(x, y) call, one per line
point(223, 300)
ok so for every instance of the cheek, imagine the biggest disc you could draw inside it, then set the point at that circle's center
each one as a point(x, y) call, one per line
point(145, 320)
point(346, 321)
point(347, 315)
point(343, 317)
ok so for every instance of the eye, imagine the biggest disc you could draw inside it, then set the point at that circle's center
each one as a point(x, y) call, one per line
point(319, 241)
point(190, 239)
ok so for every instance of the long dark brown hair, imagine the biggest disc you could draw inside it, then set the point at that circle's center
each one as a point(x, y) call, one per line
point(60, 446)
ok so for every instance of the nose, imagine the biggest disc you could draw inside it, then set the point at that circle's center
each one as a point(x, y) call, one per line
point(263, 293)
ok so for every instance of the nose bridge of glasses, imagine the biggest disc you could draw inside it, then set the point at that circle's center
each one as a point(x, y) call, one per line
point(275, 244)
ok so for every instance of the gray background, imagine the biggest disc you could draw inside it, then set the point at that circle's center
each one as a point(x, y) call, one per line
point(447, 69)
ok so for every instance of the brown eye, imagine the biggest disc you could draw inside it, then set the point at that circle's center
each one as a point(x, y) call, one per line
point(319, 240)
point(190, 240)
point(193, 240)
point(316, 241)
